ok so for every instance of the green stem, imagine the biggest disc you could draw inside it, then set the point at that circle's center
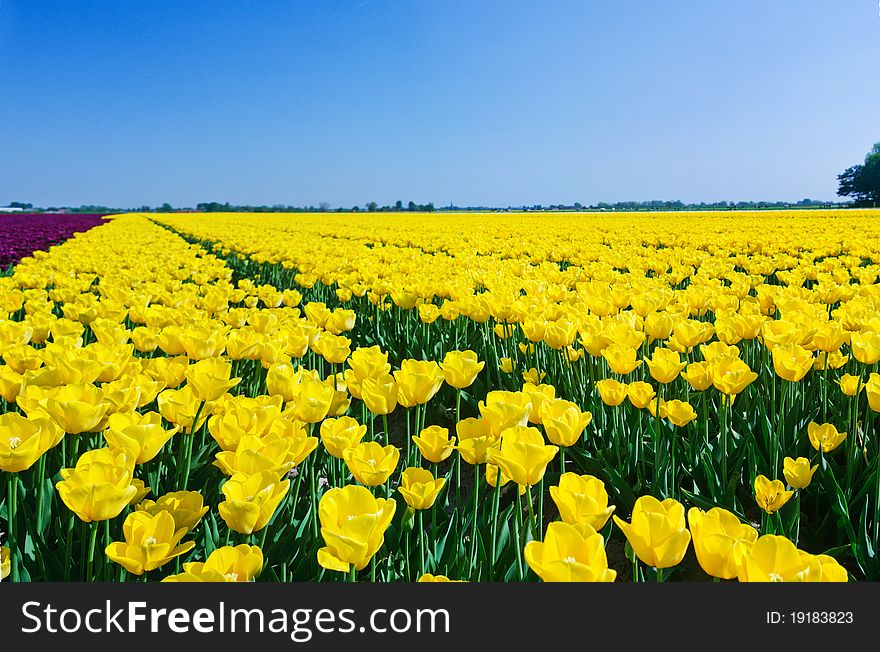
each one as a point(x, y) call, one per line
point(90, 560)
point(11, 516)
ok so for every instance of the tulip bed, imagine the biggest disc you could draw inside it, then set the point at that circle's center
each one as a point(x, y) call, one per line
point(231, 397)
point(21, 234)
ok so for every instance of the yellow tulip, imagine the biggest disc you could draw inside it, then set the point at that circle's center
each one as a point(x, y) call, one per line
point(563, 421)
point(664, 365)
point(731, 376)
point(141, 433)
point(255, 455)
point(824, 437)
point(582, 499)
point(522, 455)
point(97, 491)
point(474, 440)
point(612, 392)
point(25, 440)
point(460, 368)
point(186, 508)
point(494, 475)
point(181, 407)
point(502, 410)
point(621, 359)
point(771, 495)
point(850, 385)
point(719, 540)
point(312, 400)
point(434, 443)
point(251, 501)
point(866, 347)
point(772, 558)
point(210, 378)
point(5, 563)
point(77, 408)
point(792, 361)
point(417, 382)
point(241, 563)
point(353, 525)
point(380, 394)
point(657, 531)
point(419, 488)
point(798, 472)
point(698, 375)
point(872, 390)
point(640, 394)
point(151, 541)
point(679, 413)
point(537, 395)
point(428, 577)
point(370, 463)
point(342, 433)
point(569, 554)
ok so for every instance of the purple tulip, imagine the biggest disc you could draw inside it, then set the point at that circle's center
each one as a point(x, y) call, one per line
point(23, 233)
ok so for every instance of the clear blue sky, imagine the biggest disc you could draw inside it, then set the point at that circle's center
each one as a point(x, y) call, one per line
point(128, 102)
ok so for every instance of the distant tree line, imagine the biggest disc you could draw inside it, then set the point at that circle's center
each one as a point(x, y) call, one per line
point(862, 182)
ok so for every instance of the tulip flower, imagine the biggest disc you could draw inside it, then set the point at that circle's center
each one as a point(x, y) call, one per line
point(771, 496)
point(186, 508)
point(251, 501)
point(241, 563)
point(312, 400)
point(612, 392)
point(772, 558)
point(569, 554)
point(77, 408)
point(254, 455)
point(640, 394)
point(97, 491)
point(679, 413)
point(664, 365)
point(657, 531)
point(849, 384)
point(24, 440)
point(370, 463)
point(824, 437)
point(427, 577)
point(419, 488)
point(5, 563)
point(299, 444)
point(460, 368)
point(872, 390)
point(698, 375)
point(866, 347)
point(792, 361)
point(563, 421)
point(151, 541)
point(342, 433)
point(417, 382)
point(621, 359)
point(353, 525)
point(719, 540)
point(502, 410)
point(183, 407)
point(380, 394)
point(582, 499)
point(798, 472)
point(434, 443)
point(731, 376)
point(823, 568)
point(522, 455)
point(210, 378)
point(474, 440)
point(537, 395)
point(142, 434)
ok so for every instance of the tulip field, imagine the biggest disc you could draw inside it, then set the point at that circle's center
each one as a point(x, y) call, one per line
point(401, 397)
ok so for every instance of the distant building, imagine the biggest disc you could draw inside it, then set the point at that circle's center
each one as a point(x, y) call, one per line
point(7, 209)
